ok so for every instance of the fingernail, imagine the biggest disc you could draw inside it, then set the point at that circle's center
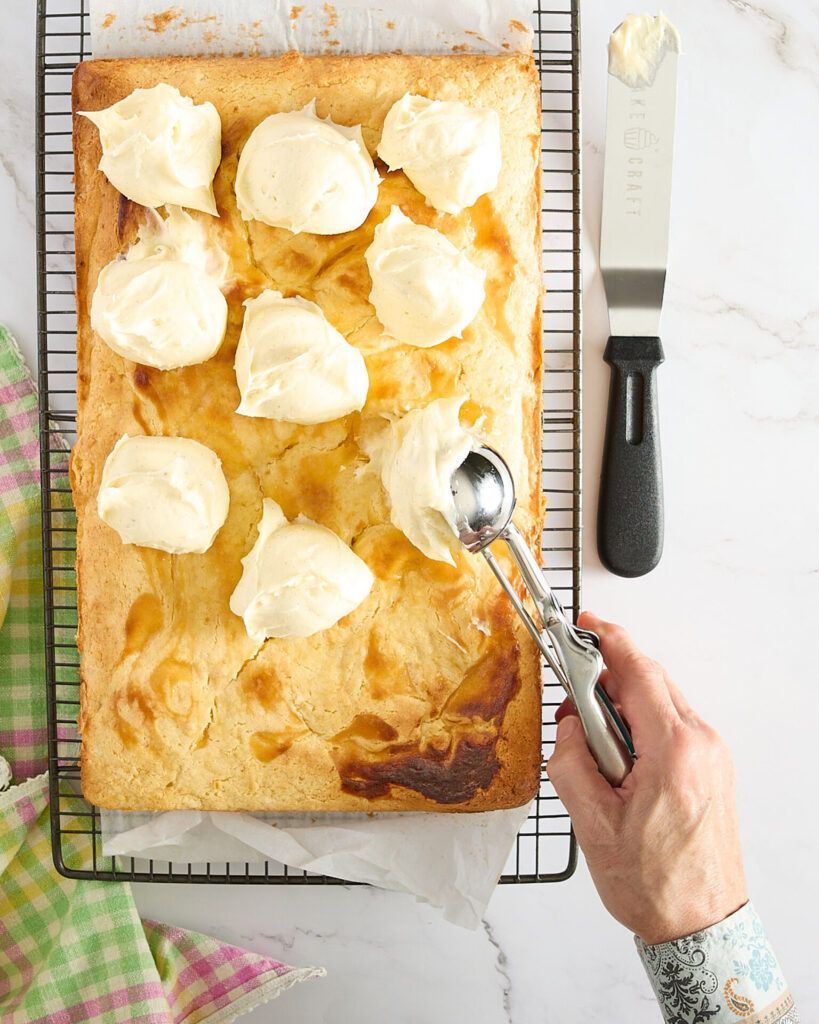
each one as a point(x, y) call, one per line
point(565, 727)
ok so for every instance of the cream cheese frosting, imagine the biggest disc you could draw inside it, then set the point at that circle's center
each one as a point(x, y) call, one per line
point(637, 47)
point(422, 451)
point(298, 579)
point(451, 152)
point(293, 365)
point(162, 304)
point(424, 289)
point(304, 173)
point(160, 147)
point(163, 492)
point(178, 236)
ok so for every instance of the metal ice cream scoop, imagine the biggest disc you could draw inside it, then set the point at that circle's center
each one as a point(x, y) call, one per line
point(484, 495)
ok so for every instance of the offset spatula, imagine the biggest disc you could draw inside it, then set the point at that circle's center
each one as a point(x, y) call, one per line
point(633, 253)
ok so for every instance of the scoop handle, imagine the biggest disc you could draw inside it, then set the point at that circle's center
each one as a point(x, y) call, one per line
point(630, 506)
point(582, 663)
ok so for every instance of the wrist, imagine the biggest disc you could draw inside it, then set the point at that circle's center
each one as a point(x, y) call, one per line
point(719, 974)
point(681, 925)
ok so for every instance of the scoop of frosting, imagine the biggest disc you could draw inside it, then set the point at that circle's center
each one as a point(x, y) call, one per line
point(424, 289)
point(163, 492)
point(178, 236)
point(291, 364)
point(160, 147)
point(162, 305)
point(305, 173)
point(637, 47)
point(423, 450)
point(298, 579)
point(451, 152)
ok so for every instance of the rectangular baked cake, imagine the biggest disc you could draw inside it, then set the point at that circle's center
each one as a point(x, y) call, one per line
point(428, 695)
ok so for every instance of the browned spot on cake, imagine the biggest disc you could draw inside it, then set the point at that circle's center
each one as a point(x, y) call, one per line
point(144, 619)
point(172, 683)
point(138, 701)
point(295, 12)
point(126, 732)
point(368, 730)
point(128, 217)
point(316, 500)
point(264, 687)
point(491, 235)
point(403, 378)
point(375, 661)
point(448, 776)
point(145, 398)
point(158, 566)
point(390, 24)
point(313, 485)
point(473, 414)
point(518, 26)
point(109, 20)
point(266, 746)
point(298, 260)
point(489, 684)
point(379, 670)
point(356, 281)
point(393, 556)
point(442, 372)
point(332, 15)
point(384, 390)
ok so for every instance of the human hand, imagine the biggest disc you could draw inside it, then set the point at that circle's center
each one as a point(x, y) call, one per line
point(663, 849)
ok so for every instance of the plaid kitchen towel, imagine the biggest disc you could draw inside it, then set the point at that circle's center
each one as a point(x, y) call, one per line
point(73, 950)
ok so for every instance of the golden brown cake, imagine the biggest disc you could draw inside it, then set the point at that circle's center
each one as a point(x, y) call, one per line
point(427, 696)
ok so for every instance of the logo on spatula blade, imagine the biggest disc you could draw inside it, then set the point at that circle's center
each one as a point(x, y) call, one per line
point(639, 138)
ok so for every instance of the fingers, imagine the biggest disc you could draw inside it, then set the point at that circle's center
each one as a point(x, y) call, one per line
point(636, 682)
point(574, 774)
point(684, 709)
point(566, 708)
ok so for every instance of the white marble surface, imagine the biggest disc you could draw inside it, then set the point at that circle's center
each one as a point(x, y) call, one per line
point(731, 609)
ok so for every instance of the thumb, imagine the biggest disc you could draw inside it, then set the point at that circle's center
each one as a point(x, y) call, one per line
point(576, 779)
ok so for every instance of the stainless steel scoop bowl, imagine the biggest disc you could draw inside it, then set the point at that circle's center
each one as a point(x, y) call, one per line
point(484, 495)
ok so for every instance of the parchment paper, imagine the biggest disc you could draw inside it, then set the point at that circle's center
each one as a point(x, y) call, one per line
point(151, 28)
point(451, 861)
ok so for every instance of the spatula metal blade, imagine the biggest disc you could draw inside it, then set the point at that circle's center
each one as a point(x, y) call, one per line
point(637, 199)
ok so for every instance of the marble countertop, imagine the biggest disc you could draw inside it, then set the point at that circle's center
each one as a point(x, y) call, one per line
point(732, 608)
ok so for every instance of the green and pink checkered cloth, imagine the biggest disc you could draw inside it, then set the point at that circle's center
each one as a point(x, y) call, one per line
point(72, 950)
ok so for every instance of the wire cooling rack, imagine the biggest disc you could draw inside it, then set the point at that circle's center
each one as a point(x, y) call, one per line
point(545, 850)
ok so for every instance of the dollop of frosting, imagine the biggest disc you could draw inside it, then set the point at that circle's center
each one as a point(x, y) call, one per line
point(298, 579)
point(160, 147)
point(178, 236)
point(292, 364)
point(164, 492)
point(419, 456)
point(424, 289)
point(637, 47)
point(451, 152)
point(162, 304)
point(304, 173)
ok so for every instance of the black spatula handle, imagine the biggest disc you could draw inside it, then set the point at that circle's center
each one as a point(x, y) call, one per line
point(630, 508)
